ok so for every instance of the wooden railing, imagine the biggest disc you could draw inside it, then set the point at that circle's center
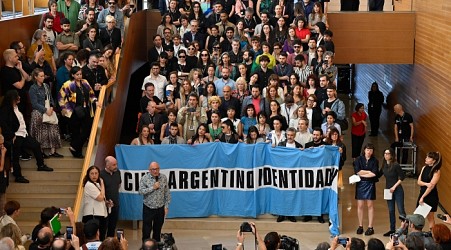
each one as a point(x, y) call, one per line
point(91, 145)
point(103, 138)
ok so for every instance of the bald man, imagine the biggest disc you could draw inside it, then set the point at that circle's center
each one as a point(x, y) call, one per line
point(154, 187)
point(229, 101)
point(44, 239)
point(403, 130)
point(112, 180)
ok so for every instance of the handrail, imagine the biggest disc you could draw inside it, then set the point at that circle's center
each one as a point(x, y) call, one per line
point(90, 149)
point(91, 143)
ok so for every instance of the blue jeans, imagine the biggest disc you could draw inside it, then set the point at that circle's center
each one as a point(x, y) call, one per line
point(398, 197)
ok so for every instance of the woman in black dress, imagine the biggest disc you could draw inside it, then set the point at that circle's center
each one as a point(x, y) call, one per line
point(366, 166)
point(376, 99)
point(427, 180)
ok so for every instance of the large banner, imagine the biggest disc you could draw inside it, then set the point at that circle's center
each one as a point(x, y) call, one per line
point(234, 180)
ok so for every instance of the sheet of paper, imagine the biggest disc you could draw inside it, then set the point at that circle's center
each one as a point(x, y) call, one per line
point(387, 194)
point(354, 179)
point(423, 210)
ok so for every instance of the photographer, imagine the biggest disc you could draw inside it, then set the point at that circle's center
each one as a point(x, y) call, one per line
point(348, 243)
point(415, 224)
point(250, 227)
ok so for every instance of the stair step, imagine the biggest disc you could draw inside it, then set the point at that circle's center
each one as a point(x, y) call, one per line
point(265, 223)
point(57, 174)
point(43, 200)
point(56, 163)
point(40, 187)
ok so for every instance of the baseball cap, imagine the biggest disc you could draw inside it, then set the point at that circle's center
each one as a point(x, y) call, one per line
point(416, 219)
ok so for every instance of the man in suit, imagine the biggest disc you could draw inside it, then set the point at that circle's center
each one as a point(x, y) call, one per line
point(193, 35)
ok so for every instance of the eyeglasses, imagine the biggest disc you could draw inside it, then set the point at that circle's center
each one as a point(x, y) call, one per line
point(386, 153)
point(154, 169)
point(182, 56)
point(111, 3)
point(110, 22)
point(203, 54)
point(296, 46)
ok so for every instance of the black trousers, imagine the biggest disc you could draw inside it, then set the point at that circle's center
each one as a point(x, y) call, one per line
point(111, 222)
point(153, 220)
point(376, 5)
point(80, 129)
point(25, 143)
point(357, 143)
point(374, 115)
point(350, 5)
point(102, 224)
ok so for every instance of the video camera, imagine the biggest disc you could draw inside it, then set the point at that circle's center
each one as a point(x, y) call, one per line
point(288, 243)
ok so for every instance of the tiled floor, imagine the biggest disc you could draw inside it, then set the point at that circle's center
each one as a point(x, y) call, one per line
point(203, 239)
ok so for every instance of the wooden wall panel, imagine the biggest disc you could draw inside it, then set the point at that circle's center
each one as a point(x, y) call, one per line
point(427, 81)
point(133, 56)
point(23, 31)
point(373, 37)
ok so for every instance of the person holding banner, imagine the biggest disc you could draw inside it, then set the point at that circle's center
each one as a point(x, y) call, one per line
point(367, 167)
point(154, 187)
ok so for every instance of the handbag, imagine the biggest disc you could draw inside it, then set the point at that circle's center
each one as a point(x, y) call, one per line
point(344, 125)
point(80, 112)
point(50, 119)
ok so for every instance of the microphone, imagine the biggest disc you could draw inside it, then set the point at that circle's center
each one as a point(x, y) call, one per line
point(156, 178)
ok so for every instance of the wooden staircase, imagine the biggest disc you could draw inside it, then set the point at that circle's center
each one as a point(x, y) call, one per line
point(57, 188)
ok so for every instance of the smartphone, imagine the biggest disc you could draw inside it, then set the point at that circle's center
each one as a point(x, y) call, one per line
point(39, 47)
point(343, 241)
point(132, 6)
point(395, 239)
point(441, 216)
point(69, 231)
point(62, 210)
point(216, 247)
point(119, 233)
point(191, 109)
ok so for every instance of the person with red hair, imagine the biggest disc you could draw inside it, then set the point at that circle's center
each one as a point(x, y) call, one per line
point(442, 235)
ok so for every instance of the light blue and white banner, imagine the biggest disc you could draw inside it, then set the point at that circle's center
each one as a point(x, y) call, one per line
point(234, 180)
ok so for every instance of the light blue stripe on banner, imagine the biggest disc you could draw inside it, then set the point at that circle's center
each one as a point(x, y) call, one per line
point(234, 180)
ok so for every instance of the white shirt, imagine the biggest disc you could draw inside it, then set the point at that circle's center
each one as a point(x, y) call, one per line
point(303, 138)
point(159, 82)
point(22, 131)
point(288, 113)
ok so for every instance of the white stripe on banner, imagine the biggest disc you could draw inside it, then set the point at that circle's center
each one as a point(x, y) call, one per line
point(237, 179)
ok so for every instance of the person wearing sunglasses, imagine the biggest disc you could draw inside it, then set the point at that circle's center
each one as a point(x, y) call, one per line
point(112, 10)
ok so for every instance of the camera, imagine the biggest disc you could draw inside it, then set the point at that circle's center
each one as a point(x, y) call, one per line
point(69, 231)
point(441, 216)
point(326, 62)
point(402, 218)
point(191, 109)
point(343, 241)
point(119, 233)
point(245, 227)
point(289, 243)
point(395, 239)
point(62, 210)
point(216, 247)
